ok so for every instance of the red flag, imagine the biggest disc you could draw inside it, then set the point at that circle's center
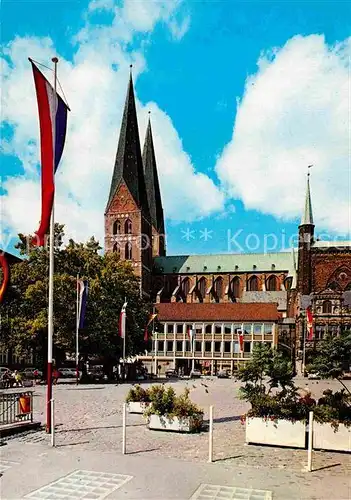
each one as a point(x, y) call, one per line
point(309, 317)
point(6, 275)
point(241, 340)
point(146, 332)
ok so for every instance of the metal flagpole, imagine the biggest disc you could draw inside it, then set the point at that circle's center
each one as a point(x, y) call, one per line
point(77, 333)
point(304, 348)
point(51, 282)
point(124, 322)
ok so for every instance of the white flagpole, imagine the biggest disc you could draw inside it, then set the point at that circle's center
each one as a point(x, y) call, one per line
point(124, 322)
point(77, 334)
point(51, 281)
point(304, 347)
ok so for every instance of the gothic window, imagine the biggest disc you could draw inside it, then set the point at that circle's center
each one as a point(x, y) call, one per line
point(185, 286)
point(128, 251)
point(252, 284)
point(288, 283)
point(128, 226)
point(272, 284)
point(327, 307)
point(333, 286)
point(116, 227)
point(235, 287)
point(117, 249)
point(218, 288)
point(202, 287)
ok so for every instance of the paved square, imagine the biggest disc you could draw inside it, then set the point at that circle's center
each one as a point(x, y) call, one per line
point(6, 464)
point(217, 492)
point(81, 484)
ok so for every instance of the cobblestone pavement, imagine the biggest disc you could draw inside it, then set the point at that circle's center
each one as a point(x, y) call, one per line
point(90, 417)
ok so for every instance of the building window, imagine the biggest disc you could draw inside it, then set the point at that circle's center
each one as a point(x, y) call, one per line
point(227, 346)
point(179, 345)
point(116, 229)
point(208, 329)
point(169, 345)
point(247, 346)
point(128, 251)
point(202, 288)
point(179, 328)
point(197, 346)
point(327, 307)
point(268, 328)
point(252, 284)
point(247, 329)
point(218, 288)
point(208, 346)
point(257, 329)
point(169, 328)
point(217, 346)
point(161, 346)
point(288, 283)
point(128, 226)
point(235, 287)
point(272, 284)
point(185, 286)
point(117, 249)
point(227, 329)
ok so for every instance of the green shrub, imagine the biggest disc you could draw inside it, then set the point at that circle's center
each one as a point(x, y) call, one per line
point(138, 394)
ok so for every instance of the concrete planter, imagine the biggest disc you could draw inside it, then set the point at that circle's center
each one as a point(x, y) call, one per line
point(175, 424)
point(327, 438)
point(275, 432)
point(137, 407)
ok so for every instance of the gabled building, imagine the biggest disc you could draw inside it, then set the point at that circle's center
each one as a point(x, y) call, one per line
point(218, 297)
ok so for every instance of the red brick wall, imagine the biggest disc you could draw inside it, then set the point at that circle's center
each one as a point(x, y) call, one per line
point(325, 266)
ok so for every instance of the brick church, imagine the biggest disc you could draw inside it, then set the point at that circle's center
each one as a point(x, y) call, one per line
point(213, 308)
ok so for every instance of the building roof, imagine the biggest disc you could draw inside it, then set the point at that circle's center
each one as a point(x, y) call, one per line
point(128, 164)
point(226, 263)
point(180, 311)
point(307, 216)
point(332, 244)
point(151, 181)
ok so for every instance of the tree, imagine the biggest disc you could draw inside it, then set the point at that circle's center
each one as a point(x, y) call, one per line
point(24, 328)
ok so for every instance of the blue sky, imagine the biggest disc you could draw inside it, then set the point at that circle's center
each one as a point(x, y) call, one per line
point(244, 95)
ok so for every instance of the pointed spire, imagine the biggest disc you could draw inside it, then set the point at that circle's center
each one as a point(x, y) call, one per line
point(151, 180)
point(128, 164)
point(307, 217)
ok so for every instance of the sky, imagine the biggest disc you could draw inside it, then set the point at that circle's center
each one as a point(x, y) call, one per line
point(243, 96)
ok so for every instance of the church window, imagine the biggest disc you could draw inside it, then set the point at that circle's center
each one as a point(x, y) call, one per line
point(218, 288)
point(185, 286)
point(252, 284)
point(116, 227)
point(117, 249)
point(128, 251)
point(272, 284)
point(235, 287)
point(288, 283)
point(327, 307)
point(202, 287)
point(128, 226)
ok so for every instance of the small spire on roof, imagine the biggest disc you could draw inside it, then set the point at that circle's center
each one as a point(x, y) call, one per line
point(307, 216)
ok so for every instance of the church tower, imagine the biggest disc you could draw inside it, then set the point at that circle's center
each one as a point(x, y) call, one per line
point(154, 195)
point(128, 228)
point(306, 233)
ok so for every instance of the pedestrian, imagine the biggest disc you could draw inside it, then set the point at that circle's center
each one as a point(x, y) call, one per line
point(55, 376)
point(18, 378)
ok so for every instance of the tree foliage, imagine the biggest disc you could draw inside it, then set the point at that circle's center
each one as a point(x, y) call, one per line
point(24, 312)
point(332, 356)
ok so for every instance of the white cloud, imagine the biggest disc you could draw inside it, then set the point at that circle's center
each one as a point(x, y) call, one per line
point(295, 111)
point(96, 92)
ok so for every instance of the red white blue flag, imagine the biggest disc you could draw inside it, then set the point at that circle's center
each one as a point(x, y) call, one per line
point(53, 125)
point(83, 297)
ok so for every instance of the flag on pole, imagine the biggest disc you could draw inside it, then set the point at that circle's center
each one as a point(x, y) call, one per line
point(146, 331)
point(309, 317)
point(83, 297)
point(241, 340)
point(53, 123)
point(122, 321)
point(191, 338)
point(5, 275)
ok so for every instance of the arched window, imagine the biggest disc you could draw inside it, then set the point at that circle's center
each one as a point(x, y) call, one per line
point(128, 251)
point(288, 283)
point(117, 249)
point(327, 307)
point(272, 284)
point(218, 288)
point(202, 287)
point(128, 226)
point(235, 287)
point(252, 284)
point(185, 286)
point(116, 227)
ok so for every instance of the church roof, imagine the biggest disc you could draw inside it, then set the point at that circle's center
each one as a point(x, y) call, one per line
point(180, 311)
point(151, 181)
point(307, 216)
point(332, 244)
point(128, 164)
point(226, 263)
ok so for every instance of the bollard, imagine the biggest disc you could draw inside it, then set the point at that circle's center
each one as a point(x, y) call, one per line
point(210, 442)
point(52, 403)
point(310, 441)
point(124, 415)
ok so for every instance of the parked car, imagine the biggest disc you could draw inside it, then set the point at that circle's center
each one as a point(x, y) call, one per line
point(69, 373)
point(223, 374)
point(30, 373)
point(195, 374)
point(314, 376)
point(171, 373)
point(96, 373)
